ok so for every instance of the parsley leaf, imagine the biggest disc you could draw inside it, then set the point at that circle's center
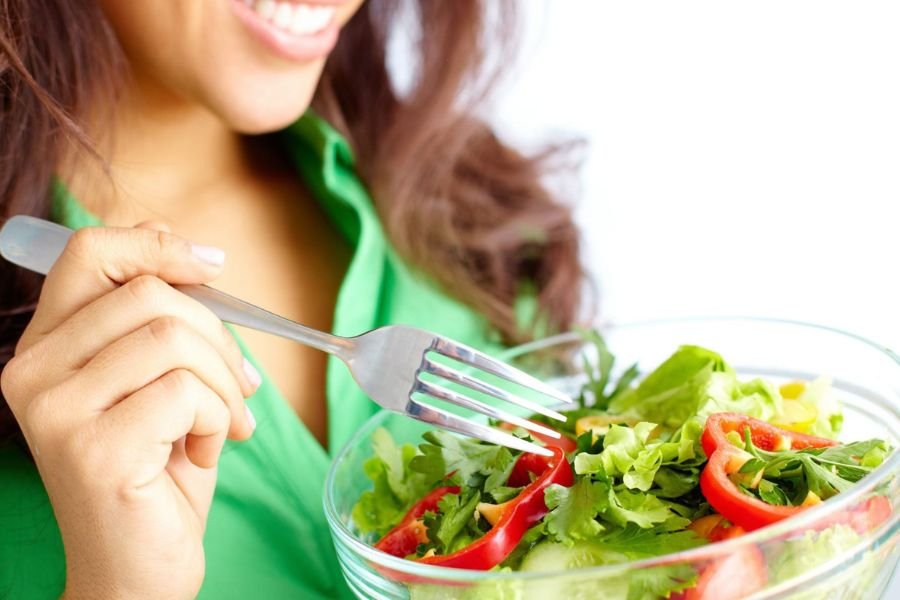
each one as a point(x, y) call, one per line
point(466, 461)
point(637, 543)
point(503, 493)
point(660, 582)
point(573, 510)
point(455, 513)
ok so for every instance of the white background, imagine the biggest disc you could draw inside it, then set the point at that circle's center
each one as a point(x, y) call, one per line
point(742, 158)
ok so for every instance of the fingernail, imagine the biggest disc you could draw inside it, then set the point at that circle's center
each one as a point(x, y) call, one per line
point(209, 254)
point(250, 418)
point(252, 374)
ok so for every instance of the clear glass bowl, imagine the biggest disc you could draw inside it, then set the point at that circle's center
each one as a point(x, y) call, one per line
point(866, 376)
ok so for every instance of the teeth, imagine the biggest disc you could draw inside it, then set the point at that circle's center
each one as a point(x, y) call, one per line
point(303, 22)
point(298, 19)
point(283, 15)
point(265, 8)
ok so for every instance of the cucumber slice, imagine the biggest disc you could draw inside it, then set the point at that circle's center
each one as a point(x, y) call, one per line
point(554, 556)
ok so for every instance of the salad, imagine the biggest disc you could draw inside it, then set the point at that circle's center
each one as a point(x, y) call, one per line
point(688, 455)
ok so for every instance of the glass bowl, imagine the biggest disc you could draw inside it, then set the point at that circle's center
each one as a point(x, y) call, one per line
point(866, 377)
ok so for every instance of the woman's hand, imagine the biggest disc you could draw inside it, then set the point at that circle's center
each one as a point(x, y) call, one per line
point(125, 390)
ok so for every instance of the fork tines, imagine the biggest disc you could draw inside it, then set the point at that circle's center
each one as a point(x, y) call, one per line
point(483, 362)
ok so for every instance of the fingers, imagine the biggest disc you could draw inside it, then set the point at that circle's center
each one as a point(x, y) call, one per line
point(98, 259)
point(140, 358)
point(196, 483)
point(124, 310)
point(176, 405)
point(155, 225)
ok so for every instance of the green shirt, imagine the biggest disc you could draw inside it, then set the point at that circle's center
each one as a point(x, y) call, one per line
point(266, 536)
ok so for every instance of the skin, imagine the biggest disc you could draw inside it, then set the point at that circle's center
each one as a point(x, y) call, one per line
point(125, 389)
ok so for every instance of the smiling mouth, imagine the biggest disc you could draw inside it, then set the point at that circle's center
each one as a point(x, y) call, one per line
point(293, 18)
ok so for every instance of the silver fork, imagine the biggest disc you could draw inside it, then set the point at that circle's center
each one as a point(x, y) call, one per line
point(388, 363)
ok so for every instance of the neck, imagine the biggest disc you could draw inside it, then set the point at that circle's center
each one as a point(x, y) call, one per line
point(165, 155)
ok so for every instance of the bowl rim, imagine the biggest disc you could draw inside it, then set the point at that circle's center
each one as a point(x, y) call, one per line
point(434, 574)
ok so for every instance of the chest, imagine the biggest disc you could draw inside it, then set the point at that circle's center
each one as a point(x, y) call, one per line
point(284, 255)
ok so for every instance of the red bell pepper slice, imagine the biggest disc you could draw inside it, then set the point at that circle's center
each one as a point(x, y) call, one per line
point(406, 535)
point(721, 493)
point(516, 516)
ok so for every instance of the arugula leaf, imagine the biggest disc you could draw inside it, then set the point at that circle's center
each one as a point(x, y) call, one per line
point(595, 395)
point(754, 465)
point(790, 474)
point(857, 459)
point(605, 362)
point(624, 382)
point(772, 494)
point(573, 510)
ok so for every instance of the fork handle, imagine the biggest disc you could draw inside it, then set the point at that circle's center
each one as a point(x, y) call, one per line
point(35, 244)
point(238, 312)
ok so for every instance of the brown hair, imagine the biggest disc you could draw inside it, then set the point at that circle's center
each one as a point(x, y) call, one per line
point(456, 201)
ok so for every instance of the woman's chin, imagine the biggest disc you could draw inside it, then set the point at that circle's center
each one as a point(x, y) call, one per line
point(269, 109)
point(266, 124)
point(264, 121)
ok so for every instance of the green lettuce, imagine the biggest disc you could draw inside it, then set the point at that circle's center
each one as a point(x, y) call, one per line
point(631, 454)
point(395, 486)
point(796, 557)
point(693, 382)
point(830, 419)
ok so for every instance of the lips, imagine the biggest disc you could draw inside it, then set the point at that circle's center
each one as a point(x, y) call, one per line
point(297, 31)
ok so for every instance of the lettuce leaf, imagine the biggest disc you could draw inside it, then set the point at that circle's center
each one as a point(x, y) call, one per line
point(830, 419)
point(798, 556)
point(395, 486)
point(693, 382)
point(629, 453)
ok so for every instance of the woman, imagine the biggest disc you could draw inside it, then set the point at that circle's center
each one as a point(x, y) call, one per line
point(191, 120)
